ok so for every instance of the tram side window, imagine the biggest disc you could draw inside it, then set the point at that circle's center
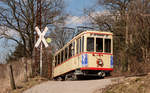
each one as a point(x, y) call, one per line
point(80, 45)
point(108, 45)
point(90, 44)
point(70, 51)
point(66, 53)
point(58, 59)
point(83, 44)
point(62, 53)
point(77, 46)
point(73, 49)
point(99, 44)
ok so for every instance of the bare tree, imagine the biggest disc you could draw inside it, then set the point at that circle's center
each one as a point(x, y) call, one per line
point(61, 35)
point(129, 23)
point(103, 21)
point(139, 24)
point(20, 15)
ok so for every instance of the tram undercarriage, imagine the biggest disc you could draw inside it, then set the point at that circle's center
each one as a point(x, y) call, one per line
point(83, 74)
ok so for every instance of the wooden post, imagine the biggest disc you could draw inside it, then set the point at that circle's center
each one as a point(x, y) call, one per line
point(25, 69)
point(127, 30)
point(11, 77)
point(31, 69)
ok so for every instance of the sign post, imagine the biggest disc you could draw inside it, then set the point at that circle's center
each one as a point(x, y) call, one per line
point(40, 40)
point(41, 48)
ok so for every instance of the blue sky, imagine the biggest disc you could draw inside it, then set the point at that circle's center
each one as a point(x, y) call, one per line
point(73, 7)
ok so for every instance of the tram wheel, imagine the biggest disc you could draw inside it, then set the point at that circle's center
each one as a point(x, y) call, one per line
point(67, 78)
point(74, 77)
point(59, 79)
point(71, 77)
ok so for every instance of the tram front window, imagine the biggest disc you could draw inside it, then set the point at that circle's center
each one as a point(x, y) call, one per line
point(99, 44)
point(90, 44)
point(107, 45)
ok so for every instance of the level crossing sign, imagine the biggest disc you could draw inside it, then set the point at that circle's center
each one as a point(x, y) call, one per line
point(41, 37)
point(40, 40)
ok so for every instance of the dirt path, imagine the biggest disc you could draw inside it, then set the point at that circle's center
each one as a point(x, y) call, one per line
point(87, 86)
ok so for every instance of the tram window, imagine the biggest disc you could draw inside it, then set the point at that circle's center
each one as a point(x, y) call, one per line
point(55, 60)
point(66, 53)
point(108, 45)
point(62, 53)
point(77, 46)
point(58, 59)
point(99, 44)
point(83, 44)
point(73, 49)
point(70, 54)
point(90, 44)
point(80, 45)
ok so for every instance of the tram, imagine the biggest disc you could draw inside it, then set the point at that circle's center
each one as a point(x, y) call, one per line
point(90, 53)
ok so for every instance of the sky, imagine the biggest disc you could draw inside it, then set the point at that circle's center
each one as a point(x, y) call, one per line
point(73, 7)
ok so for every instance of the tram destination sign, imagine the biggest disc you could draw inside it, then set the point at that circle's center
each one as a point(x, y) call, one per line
point(41, 37)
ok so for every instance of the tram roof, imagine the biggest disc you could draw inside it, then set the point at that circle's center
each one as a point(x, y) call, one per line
point(97, 32)
point(82, 33)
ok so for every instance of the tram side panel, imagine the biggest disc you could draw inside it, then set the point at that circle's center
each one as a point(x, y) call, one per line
point(66, 67)
point(84, 61)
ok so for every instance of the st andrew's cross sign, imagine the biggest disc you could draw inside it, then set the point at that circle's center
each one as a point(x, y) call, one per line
point(40, 40)
point(41, 37)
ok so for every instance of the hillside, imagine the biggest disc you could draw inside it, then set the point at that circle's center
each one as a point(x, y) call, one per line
point(131, 85)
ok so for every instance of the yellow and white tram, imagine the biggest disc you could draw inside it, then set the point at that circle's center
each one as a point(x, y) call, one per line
point(88, 54)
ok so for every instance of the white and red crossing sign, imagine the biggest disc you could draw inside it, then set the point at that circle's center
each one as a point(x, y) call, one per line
point(41, 37)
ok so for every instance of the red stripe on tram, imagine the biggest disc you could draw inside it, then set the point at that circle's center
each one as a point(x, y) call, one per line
point(94, 68)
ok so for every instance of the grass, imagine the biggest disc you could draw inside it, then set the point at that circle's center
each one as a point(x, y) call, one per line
point(26, 85)
point(18, 71)
point(131, 85)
